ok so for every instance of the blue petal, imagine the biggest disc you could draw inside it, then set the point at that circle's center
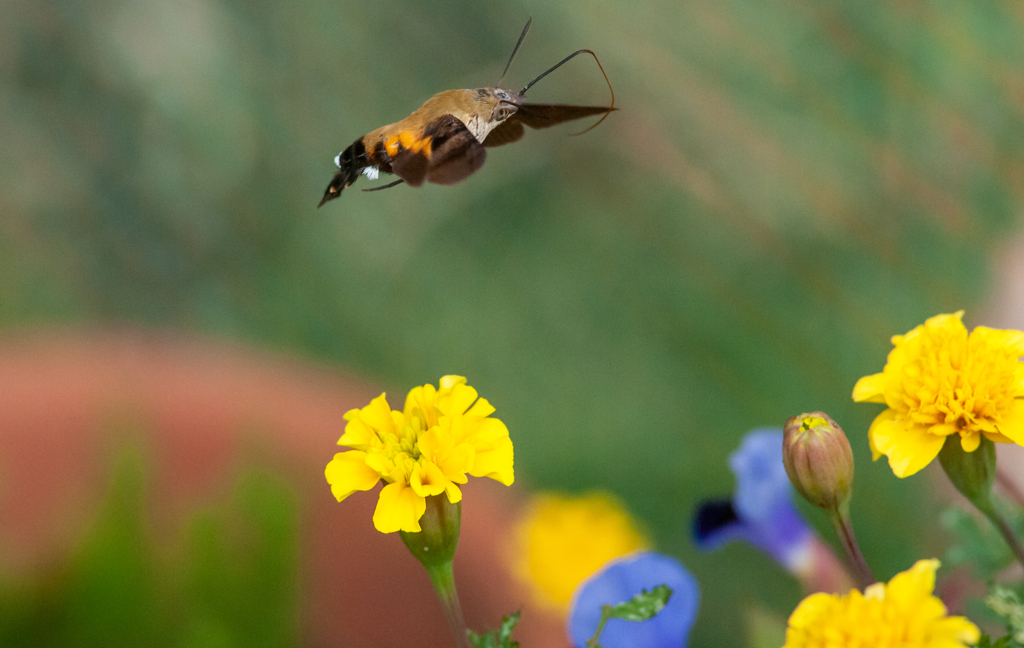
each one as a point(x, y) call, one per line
point(619, 581)
point(762, 512)
point(761, 481)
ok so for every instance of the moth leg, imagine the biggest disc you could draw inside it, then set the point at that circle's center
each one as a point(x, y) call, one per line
point(387, 186)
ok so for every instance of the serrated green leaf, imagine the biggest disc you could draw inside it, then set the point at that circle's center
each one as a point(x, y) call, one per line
point(505, 633)
point(501, 638)
point(643, 606)
point(1005, 602)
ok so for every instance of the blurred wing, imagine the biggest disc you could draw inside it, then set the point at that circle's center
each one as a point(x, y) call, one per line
point(506, 132)
point(455, 154)
point(410, 163)
point(547, 115)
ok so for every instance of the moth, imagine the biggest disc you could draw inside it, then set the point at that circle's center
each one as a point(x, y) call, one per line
point(446, 140)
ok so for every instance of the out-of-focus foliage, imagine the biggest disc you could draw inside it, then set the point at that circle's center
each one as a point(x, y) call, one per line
point(788, 183)
point(978, 546)
point(1007, 604)
point(1002, 642)
point(977, 543)
point(500, 638)
point(231, 580)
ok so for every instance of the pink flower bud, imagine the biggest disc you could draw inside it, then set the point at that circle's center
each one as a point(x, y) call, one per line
point(818, 460)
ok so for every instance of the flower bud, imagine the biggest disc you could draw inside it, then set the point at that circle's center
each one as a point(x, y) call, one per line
point(818, 460)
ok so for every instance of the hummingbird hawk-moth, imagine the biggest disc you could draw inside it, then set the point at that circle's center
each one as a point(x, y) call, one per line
point(446, 139)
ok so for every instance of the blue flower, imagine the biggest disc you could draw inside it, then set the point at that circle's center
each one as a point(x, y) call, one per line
point(619, 581)
point(761, 511)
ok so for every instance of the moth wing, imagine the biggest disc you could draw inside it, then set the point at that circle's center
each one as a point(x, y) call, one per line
point(455, 154)
point(547, 115)
point(410, 165)
point(506, 132)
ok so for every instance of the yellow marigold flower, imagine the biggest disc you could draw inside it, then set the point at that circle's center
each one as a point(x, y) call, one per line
point(902, 614)
point(940, 381)
point(427, 449)
point(561, 540)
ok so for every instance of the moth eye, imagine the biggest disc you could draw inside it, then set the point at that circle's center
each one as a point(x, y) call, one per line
point(502, 95)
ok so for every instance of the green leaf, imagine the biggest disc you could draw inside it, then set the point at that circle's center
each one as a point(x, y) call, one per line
point(978, 545)
point(501, 638)
point(643, 606)
point(1002, 642)
point(1005, 602)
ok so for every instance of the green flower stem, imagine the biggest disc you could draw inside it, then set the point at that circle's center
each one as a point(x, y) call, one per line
point(443, 579)
point(606, 614)
point(840, 516)
point(989, 511)
point(972, 473)
point(434, 546)
point(1010, 488)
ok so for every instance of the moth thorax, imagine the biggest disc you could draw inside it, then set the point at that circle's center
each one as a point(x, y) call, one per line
point(480, 126)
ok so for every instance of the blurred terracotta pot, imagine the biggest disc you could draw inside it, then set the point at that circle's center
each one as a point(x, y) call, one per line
point(201, 408)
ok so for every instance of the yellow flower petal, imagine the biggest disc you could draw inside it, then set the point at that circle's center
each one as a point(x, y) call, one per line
point(447, 382)
point(870, 389)
point(459, 462)
point(908, 447)
point(496, 463)
point(1003, 338)
point(453, 492)
point(811, 609)
point(917, 582)
point(953, 632)
point(457, 401)
point(481, 409)
point(427, 479)
point(1012, 425)
point(940, 379)
point(420, 451)
point(950, 321)
point(358, 435)
point(399, 508)
point(970, 441)
point(901, 614)
point(348, 473)
point(998, 438)
point(436, 445)
point(365, 424)
point(385, 466)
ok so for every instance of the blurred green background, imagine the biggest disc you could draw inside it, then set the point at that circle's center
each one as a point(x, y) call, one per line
point(788, 183)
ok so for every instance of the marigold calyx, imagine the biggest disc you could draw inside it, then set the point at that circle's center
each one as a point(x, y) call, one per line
point(435, 544)
point(818, 460)
point(972, 473)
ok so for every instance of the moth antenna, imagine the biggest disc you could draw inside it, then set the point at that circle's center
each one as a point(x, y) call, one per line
point(566, 60)
point(515, 51)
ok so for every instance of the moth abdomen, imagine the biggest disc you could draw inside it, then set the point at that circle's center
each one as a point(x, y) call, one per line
point(351, 163)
